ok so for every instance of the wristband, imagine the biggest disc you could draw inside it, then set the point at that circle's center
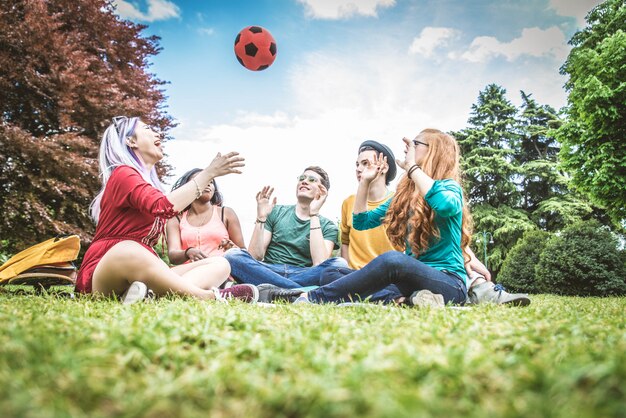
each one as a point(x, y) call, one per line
point(412, 169)
point(186, 255)
point(317, 227)
point(258, 221)
point(315, 214)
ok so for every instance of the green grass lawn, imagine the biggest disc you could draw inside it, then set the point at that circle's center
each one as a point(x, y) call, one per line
point(560, 356)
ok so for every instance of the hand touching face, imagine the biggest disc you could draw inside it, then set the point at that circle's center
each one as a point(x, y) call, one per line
point(376, 168)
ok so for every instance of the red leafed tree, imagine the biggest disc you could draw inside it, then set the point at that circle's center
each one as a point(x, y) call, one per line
point(66, 68)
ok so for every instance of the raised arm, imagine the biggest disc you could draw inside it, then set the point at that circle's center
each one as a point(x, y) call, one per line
point(260, 237)
point(369, 174)
point(220, 166)
point(422, 181)
point(320, 247)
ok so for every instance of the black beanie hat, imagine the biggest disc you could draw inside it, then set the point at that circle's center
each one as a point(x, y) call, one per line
point(391, 160)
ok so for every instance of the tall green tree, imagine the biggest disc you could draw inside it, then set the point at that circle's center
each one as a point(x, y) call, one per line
point(66, 67)
point(542, 184)
point(488, 148)
point(513, 181)
point(593, 137)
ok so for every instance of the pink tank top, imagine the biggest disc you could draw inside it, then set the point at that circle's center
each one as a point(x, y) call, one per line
point(206, 237)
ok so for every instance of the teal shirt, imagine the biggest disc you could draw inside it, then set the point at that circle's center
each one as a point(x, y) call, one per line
point(446, 200)
point(290, 237)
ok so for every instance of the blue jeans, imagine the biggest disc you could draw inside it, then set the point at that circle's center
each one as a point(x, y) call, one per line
point(247, 269)
point(387, 295)
point(392, 267)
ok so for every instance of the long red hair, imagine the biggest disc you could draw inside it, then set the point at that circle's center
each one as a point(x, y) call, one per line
point(409, 212)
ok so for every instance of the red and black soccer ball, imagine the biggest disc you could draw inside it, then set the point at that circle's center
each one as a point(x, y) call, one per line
point(255, 48)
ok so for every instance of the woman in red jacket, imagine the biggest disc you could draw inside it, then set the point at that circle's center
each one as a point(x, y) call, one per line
point(130, 212)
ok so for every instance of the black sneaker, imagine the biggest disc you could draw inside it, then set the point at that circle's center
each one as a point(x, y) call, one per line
point(270, 293)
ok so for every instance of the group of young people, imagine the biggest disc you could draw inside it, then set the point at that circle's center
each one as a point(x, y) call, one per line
point(410, 246)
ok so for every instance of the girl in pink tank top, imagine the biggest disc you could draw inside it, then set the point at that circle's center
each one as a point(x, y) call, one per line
point(205, 229)
point(206, 237)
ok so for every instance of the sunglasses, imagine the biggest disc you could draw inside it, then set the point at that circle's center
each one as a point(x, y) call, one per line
point(310, 179)
point(118, 119)
point(416, 142)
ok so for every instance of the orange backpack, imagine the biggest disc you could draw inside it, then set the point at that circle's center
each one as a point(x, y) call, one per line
point(58, 252)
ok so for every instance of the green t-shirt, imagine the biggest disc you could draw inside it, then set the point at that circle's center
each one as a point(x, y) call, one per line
point(290, 237)
point(446, 200)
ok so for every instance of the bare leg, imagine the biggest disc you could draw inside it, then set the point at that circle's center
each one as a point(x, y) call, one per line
point(206, 273)
point(128, 261)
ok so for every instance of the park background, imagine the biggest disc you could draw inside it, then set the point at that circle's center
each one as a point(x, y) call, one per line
point(532, 90)
point(545, 177)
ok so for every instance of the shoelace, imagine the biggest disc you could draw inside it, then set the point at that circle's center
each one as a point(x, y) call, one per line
point(499, 288)
point(218, 295)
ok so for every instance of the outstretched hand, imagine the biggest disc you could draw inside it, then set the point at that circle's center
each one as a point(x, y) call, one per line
point(263, 203)
point(226, 164)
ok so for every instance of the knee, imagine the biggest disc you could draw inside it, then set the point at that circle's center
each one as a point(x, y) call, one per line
point(221, 263)
point(223, 266)
point(337, 262)
point(234, 253)
point(393, 258)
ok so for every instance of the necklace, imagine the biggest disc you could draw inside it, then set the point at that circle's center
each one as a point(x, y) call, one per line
point(204, 219)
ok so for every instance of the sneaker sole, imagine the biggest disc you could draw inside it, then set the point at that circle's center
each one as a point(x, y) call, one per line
point(522, 301)
point(425, 298)
point(255, 294)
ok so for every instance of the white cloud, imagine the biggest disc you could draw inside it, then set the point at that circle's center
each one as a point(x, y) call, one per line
point(534, 42)
point(157, 10)
point(342, 9)
point(278, 119)
point(431, 38)
point(206, 31)
point(574, 8)
point(338, 101)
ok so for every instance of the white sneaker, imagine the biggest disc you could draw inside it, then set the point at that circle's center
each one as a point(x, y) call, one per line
point(495, 293)
point(136, 292)
point(425, 298)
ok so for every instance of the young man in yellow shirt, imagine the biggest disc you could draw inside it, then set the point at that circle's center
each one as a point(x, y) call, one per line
point(361, 247)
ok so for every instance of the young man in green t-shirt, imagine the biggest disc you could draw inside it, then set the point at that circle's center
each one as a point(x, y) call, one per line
point(291, 245)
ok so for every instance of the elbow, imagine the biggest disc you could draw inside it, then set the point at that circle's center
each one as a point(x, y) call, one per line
point(448, 211)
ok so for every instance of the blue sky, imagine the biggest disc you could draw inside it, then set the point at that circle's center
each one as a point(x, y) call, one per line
point(345, 71)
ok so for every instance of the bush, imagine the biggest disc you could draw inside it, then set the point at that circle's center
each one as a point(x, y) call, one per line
point(518, 269)
point(583, 261)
